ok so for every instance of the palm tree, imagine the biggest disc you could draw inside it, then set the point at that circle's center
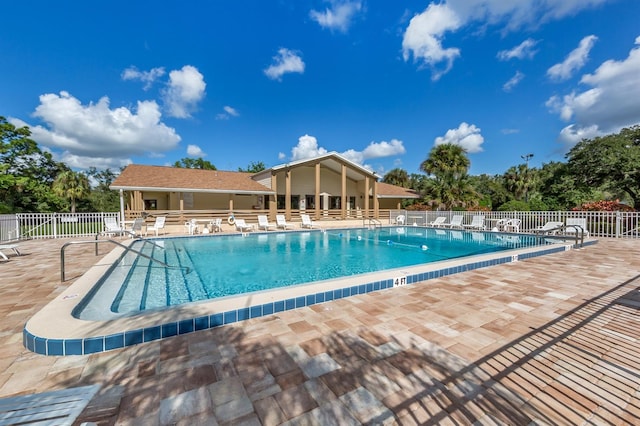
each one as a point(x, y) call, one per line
point(71, 185)
point(519, 180)
point(397, 177)
point(450, 185)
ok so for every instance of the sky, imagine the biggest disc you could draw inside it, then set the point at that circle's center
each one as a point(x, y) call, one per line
point(106, 84)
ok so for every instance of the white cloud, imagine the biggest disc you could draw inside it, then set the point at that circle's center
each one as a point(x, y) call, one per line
point(286, 61)
point(186, 87)
point(282, 156)
point(95, 131)
point(228, 113)
point(611, 101)
point(339, 16)
point(307, 148)
point(524, 50)
point(467, 136)
point(425, 34)
point(513, 81)
point(423, 38)
point(147, 77)
point(195, 151)
point(574, 60)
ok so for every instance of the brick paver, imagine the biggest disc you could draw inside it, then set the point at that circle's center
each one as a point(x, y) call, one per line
point(550, 340)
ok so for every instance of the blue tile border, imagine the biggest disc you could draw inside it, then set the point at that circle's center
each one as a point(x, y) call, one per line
point(60, 347)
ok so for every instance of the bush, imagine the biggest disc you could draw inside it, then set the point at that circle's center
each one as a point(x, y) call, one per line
point(604, 206)
point(514, 206)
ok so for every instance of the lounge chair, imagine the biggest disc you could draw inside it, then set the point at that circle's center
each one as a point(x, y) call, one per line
point(306, 221)
point(281, 222)
point(13, 247)
point(573, 222)
point(136, 227)
point(242, 226)
point(550, 227)
point(476, 223)
point(263, 223)
point(112, 227)
point(439, 221)
point(456, 222)
point(158, 225)
point(512, 225)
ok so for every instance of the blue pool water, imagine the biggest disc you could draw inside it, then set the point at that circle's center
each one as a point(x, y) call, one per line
point(217, 266)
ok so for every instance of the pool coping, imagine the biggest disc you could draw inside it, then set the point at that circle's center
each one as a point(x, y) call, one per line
point(55, 331)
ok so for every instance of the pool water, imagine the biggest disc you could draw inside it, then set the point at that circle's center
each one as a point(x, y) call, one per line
point(218, 266)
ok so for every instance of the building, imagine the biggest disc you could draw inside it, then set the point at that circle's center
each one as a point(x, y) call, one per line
point(328, 186)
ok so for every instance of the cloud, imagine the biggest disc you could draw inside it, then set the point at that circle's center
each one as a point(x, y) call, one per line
point(228, 113)
point(610, 102)
point(96, 133)
point(286, 61)
point(147, 77)
point(574, 60)
point(423, 38)
point(426, 31)
point(185, 89)
point(467, 136)
point(522, 51)
point(307, 148)
point(513, 81)
point(195, 151)
point(339, 16)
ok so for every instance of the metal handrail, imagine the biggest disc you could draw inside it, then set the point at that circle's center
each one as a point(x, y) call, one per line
point(372, 223)
point(126, 248)
point(579, 232)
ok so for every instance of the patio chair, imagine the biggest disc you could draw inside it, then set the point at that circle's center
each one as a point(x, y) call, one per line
point(512, 225)
point(112, 227)
point(242, 226)
point(550, 227)
point(263, 223)
point(192, 226)
point(576, 221)
point(13, 247)
point(158, 225)
point(439, 221)
point(476, 223)
point(281, 222)
point(216, 225)
point(456, 222)
point(400, 220)
point(136, 227)
point(306, 221)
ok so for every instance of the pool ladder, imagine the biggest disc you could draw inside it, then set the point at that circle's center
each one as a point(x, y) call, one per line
point(371, 223)
point(126, 248)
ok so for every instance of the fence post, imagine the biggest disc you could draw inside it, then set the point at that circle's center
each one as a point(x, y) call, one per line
point(618, 224)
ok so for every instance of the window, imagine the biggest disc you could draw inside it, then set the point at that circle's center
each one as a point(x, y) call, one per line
point(295, 202)
point(310, 201)
point(151, 204)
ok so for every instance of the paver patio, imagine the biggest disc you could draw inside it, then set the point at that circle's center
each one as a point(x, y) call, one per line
point(549, 340)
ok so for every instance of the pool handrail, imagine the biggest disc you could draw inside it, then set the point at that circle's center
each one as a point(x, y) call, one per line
point(126, 248)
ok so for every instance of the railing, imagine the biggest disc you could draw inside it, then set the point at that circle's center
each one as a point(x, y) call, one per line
point(599, 224)
point(21, 226)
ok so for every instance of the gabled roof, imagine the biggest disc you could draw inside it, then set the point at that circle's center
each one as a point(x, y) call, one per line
point(331, 160)
point(164, 178)
point(386, 190)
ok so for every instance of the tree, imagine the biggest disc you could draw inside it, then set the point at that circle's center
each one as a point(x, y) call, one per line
point(197, 163)
point(102, 198)
point(71, 185)
point(450, 187)
point(518, 180)
point(26, 172)
point(253, 167)
point(398, 177)
point(610, 162)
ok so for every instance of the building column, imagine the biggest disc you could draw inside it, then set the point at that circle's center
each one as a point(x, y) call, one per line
point(317, 193)
point(366, 197)
point(343, 195)
point(287, 194)
point(273, 198)
point(376, 203)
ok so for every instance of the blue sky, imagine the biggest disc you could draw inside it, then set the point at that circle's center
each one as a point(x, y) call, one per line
point(106, 84)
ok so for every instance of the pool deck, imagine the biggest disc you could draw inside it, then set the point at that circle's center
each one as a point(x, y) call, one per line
point(552, 340)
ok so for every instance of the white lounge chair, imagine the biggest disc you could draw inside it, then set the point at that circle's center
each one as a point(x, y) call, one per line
point(306, 221)
point(112, 227)
point(456, 222)
point(13, 247)
point(281, 222)
point(476, 223)
point(242, 226)
point(439, 221)
point(512, 225)
point(263, 223)
point(158, 225)
point(572, 222)
point(550, 227)
point(136, 227)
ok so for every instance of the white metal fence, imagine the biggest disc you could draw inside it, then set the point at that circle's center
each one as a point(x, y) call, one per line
point(599, 224)
point(22, 226)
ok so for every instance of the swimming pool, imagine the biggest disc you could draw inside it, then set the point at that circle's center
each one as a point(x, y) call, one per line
point(213, 267)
